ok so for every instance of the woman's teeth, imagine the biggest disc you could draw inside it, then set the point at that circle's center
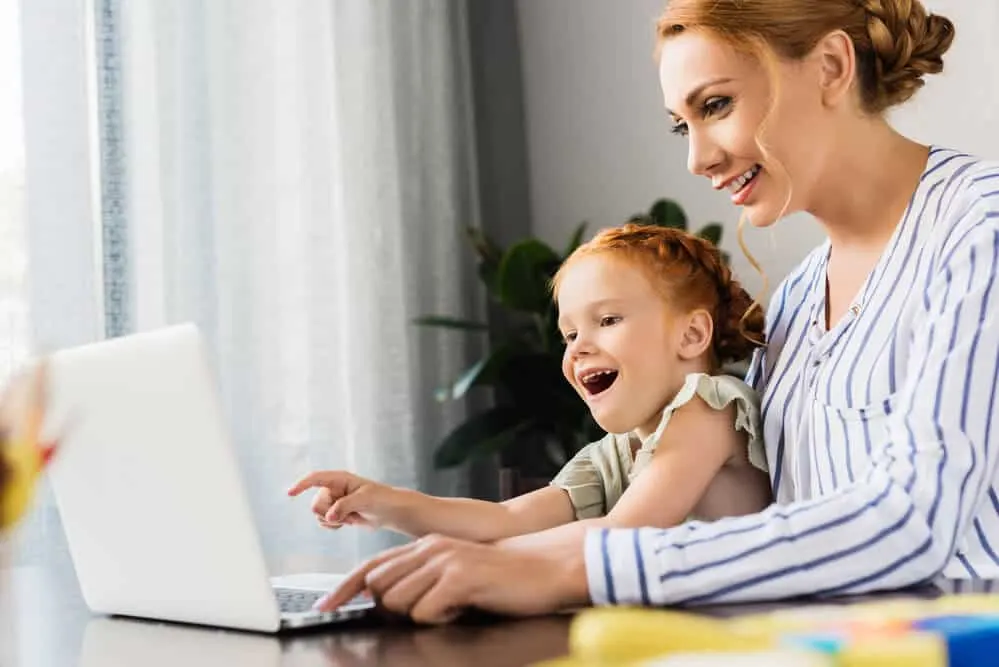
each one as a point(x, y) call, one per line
point(740, 181)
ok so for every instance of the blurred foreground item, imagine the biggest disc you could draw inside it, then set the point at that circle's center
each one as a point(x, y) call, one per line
point(23, 452)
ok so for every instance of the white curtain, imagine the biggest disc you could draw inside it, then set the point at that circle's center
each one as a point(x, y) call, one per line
point(295, 177)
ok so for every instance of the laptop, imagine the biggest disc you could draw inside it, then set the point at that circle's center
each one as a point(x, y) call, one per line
point(152, 501)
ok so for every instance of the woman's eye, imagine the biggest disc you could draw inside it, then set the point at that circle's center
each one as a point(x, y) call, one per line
point(610, 320)
point(716, 105)
point(679, 128)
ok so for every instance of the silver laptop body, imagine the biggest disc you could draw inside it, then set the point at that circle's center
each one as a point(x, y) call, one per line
point(150, 492)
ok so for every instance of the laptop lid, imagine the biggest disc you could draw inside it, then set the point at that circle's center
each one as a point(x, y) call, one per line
point(149, 489)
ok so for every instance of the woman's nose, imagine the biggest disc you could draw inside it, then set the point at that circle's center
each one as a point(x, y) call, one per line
point(703, 155)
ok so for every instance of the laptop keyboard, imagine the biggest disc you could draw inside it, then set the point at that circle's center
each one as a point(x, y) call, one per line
point(296, 601)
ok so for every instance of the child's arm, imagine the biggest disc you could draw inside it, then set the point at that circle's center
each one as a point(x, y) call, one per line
point(346, 499)
point(697, 443)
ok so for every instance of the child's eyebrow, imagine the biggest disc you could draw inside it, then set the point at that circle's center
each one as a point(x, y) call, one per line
point(592, 306)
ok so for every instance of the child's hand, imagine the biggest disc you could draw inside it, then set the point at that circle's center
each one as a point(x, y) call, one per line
point(345, 499)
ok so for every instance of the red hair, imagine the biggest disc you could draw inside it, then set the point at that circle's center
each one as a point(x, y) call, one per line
point(689, 273)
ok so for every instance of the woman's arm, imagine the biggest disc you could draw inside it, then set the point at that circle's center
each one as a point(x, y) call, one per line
point(695, 446)
point(902, 520)
point(898, 524)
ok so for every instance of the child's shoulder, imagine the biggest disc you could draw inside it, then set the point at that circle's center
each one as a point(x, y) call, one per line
point(718, 391)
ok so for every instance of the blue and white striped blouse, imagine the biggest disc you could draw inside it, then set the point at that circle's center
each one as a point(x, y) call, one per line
point(879, 432)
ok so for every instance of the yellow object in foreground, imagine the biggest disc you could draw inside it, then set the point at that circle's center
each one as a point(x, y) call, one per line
point(627, 635)
point(23, 462)
point(892, 633)
point(23, 455)
point(912, 650)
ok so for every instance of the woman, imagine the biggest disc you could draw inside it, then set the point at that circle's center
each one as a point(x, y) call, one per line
point(880, 370)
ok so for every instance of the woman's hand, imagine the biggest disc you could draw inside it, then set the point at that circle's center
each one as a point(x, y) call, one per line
point(343, 498)
point(435, 578)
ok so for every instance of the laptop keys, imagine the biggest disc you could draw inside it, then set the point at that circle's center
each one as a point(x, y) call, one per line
point(297, 601)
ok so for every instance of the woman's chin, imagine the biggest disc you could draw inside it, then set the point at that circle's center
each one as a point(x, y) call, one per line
point(762, 215)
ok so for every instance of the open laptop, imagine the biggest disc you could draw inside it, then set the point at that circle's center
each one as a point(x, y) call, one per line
point(147, 481)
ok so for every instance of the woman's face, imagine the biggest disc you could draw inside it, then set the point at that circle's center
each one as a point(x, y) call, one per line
point(718, 98)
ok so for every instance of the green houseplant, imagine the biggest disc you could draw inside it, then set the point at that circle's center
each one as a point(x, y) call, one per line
point(537, 422)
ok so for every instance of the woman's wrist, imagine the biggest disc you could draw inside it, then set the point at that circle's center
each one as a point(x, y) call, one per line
point(573, 588)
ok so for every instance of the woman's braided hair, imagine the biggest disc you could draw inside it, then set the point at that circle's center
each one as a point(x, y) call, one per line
point(897, 42)
point(690, 273)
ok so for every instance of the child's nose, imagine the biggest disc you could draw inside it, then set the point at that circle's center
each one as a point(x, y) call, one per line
point(581, 346)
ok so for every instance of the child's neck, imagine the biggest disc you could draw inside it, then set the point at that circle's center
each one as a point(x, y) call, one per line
point(685, 369)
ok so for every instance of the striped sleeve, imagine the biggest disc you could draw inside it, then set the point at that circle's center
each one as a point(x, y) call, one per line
point(904, 518)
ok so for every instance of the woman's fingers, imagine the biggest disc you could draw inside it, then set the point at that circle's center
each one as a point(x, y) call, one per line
point(405, 591)
point(355, 584)
point(427, 582)
point(381, 578)
point(443, 600)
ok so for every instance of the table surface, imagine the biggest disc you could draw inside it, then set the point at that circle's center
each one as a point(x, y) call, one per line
point(41, 609)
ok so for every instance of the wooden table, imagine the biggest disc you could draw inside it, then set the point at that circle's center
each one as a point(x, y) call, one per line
point(44, 623)
point(49, 626)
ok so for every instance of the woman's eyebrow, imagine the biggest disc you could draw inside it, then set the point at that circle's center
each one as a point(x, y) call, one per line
point(696, 92)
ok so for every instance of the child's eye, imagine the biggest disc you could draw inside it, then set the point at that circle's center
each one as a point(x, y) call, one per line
point(568, 337)
point(609, 320)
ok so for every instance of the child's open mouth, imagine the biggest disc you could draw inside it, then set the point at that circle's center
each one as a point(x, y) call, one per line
point(597, 381)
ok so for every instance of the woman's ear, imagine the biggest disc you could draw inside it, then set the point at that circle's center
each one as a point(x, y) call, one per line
point(837, 63)
point(695, 338)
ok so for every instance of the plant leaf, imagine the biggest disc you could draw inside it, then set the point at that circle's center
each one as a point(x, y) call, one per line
point(489, 254)
point(524, 275)
point(488, 273)
point(487, 249)
point(446, 322)
point(484, 371)
point(576, 240)
point(711, 232)
point(480, 435)
point(667, 213)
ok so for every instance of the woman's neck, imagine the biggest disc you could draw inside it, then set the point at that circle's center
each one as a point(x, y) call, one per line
point(867, 185)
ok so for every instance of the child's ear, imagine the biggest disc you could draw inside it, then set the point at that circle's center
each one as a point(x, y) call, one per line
point(695, 339)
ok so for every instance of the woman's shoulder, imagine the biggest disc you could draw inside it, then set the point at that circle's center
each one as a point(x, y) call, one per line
point(960, 180)
point(965, 191)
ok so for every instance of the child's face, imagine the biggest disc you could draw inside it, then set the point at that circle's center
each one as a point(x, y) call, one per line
point(622, 343)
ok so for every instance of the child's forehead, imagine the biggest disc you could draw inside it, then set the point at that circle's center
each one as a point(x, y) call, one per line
point(605, 271)
point(600, 283)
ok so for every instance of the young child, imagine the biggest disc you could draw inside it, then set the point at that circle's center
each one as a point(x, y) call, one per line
point(648, 314)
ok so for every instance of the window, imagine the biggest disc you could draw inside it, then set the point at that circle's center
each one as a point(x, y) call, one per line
point(13, 230)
